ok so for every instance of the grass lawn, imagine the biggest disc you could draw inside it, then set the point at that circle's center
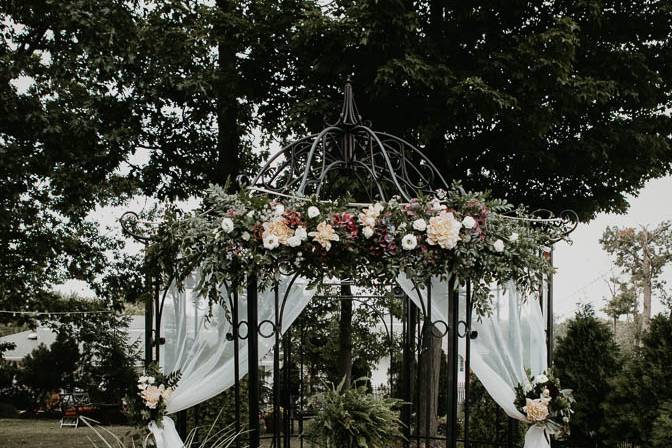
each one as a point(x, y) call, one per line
point(20, 433)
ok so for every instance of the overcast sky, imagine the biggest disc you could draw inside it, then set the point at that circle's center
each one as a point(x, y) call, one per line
point(583, 266)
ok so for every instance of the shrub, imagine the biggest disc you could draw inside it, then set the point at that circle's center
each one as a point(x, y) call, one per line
point(354, 418)
point(586, 358)
point(661, 435)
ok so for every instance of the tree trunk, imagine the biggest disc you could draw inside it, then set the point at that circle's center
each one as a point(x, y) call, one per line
point(430, 367)
point(227, 166)
point(647, 283)
point(345, 337)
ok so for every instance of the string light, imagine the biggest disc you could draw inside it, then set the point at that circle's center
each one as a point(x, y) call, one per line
point(15, 313)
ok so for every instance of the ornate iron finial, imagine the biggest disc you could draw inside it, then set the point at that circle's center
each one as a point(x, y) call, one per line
point(348, 157)
point(349, 113)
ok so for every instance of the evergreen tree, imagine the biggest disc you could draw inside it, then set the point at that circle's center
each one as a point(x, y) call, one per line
point(636, 409)
point(585, 360)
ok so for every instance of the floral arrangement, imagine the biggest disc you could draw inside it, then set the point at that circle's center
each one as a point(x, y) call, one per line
point(233, 235)
point(154, 388)
point(545, 404)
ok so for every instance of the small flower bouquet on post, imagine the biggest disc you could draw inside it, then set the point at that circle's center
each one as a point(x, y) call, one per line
point(545, 404)
point(149, 404)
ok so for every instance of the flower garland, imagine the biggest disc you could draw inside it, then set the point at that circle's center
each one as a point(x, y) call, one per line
point(149, 404)
point(233, 235)
point(545, 404)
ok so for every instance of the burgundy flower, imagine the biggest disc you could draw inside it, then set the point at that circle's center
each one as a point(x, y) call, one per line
point(293, 219)
point(346, 222)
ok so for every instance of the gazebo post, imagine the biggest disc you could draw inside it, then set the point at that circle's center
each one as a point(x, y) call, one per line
point(408, 360)
point(453, 341)
point(549, 312)
point(253, 359)
point(149, 318)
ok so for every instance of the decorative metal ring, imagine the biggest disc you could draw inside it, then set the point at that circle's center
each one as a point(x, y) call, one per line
point(273, 328)
point(247, 330)
point(465, 328)
point(445, 326)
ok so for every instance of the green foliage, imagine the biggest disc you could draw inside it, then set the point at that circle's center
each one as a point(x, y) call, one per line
point(639, 392)
point(643, 254)
point(106, 360)
point(318, 324)
point(45, 369)
point(543, 103)
point(661, 434)
point(103, 99)
point(586, 359)
point(354, 418)
point(488, 424)
point(623, 299)
point(227, 239)
point(635, 251)
point(219, 412)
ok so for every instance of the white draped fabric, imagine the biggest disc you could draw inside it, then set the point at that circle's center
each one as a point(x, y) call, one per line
point(511, 340)
point(198, 346)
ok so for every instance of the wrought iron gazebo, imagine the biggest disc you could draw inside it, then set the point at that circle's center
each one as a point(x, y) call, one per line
point(349, 158)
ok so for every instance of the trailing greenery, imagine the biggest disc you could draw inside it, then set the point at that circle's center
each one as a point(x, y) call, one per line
point(233, 235)
point(354, 418)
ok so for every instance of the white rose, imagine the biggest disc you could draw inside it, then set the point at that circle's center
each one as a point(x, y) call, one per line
point(540, 379)
point(301, 233)
point(409, 242)
point(498, 246)
point(368, 221)
point(436, 205)
point(166, 393)
point(546, 392)
point(313, 212)
point(271, 241)
point(420, 225)
point(367, 232)
point(514, 237)
point(246, 236)
point(294, 241)
point(443, 230)
point(227, 225)
point(468, 222)
point(279, 210)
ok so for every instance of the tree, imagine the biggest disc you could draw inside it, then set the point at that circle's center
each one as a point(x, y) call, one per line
point(588, 342)
point(103, 100)
point(557, 105)
point(636, 404)
point(46, 369)
point(661, 436)
point(623, 300)
point(643, 254)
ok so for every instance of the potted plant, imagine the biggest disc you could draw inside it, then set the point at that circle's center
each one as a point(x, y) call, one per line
point(354, 418)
